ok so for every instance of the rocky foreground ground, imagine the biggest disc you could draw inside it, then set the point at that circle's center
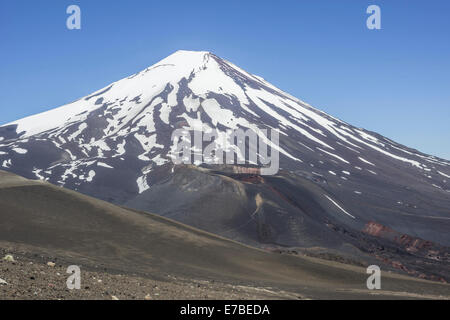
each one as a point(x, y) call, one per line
point(44, 278)
point(25, 276)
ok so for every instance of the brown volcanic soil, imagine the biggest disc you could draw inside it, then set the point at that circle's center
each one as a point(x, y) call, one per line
point(132, 252)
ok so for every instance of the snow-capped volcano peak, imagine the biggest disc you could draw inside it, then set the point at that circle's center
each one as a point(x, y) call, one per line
point(127, 126)
point(186, 58)
point(201, 68)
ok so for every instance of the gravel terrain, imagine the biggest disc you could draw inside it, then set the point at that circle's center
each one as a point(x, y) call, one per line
point(33, 278)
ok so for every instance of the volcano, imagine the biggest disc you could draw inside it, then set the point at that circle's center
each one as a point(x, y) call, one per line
point(342, 192)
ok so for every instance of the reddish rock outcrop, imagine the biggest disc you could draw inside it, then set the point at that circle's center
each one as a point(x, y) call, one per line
point(412, 245)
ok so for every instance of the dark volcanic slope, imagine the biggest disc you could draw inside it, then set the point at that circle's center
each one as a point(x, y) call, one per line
point(78, 229)
point(293, 210)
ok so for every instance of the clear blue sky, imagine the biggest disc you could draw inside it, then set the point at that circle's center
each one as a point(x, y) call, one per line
point(395, 81)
